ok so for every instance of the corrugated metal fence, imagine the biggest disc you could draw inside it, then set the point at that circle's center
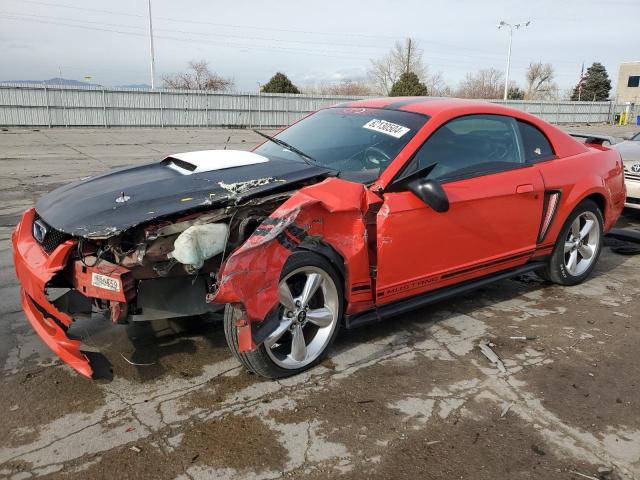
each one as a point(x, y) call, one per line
point(63, 106)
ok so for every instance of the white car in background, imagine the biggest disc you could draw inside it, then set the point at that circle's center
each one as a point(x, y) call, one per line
point(630, 153)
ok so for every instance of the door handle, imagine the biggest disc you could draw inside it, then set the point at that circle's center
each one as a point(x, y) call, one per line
point(527, 188)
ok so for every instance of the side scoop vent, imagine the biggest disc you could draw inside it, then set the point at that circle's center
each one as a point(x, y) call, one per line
point(551, 202)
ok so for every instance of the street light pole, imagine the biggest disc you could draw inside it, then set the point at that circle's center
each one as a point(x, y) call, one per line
point(511, 27)
point(153, 66)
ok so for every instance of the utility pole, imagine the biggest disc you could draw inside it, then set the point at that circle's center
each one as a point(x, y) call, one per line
point(408, 55)
point(153, 65)
point(581, 82)
point(510, 27)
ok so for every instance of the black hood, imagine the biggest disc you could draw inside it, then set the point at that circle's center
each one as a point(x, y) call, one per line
point(88, 208)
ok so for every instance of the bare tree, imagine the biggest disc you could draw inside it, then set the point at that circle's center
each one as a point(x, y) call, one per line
point(487, 83)
point(198, 77)
point(436, 85)
point(347, 88)
point(540, 84)
point(351, 88)
point(404, 57)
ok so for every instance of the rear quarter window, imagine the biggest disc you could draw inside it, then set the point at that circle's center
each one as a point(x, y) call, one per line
point(535, 143)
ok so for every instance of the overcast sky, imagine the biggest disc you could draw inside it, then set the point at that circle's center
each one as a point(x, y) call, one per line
point(309, 41)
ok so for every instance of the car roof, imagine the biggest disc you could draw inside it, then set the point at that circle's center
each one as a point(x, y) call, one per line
point(425, 105)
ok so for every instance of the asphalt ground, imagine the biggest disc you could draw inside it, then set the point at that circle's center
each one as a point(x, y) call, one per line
point(412, 397)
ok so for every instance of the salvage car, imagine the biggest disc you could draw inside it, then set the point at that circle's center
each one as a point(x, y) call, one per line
point(356, 213)
point(630, 152)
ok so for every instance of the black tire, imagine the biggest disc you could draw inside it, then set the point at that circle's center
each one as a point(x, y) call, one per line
point(259, 361)
point(556, 270)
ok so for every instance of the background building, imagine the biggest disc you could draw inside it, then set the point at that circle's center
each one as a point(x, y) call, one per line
point(628, 89)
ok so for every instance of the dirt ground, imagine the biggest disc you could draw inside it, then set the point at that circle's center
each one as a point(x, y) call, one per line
point(409, 398)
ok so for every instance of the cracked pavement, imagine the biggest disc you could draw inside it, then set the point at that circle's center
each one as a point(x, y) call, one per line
point(412, 397)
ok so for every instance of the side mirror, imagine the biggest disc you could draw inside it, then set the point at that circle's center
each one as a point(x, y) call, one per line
point(430, 192)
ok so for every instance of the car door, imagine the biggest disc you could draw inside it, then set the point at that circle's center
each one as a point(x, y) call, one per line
point(495, 208)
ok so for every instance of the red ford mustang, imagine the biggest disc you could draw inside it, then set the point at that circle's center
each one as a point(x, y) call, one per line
point(356, 213)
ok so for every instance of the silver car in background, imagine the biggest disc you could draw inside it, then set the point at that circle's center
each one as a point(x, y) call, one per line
point(630, 153)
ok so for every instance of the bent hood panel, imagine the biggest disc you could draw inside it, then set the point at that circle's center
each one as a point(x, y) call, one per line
point(108, 204)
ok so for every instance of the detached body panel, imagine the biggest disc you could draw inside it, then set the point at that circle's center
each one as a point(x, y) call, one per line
point(34, 270)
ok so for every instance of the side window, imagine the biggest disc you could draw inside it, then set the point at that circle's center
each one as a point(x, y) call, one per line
point(474, 144)
point(535, 143)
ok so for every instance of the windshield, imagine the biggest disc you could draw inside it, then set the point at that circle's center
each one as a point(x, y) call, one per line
point(636, 137)
point(358, 142)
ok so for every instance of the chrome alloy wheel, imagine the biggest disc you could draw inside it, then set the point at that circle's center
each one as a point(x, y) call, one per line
point(308, 317)
point(582, 243)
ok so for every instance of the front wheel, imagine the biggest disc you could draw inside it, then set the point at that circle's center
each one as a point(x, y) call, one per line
point(578, 246)
point(309, 313)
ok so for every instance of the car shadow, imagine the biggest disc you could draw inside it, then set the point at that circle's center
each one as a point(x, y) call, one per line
point(502, 291)
point(147, 351)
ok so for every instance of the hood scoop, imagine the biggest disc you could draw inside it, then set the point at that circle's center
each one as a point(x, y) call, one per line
point(189, 163)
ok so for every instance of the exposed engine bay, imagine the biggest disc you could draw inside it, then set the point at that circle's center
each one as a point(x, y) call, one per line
point(159, 270)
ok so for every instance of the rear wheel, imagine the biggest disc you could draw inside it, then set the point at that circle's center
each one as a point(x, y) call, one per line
point(309, 314)
point(578, 246)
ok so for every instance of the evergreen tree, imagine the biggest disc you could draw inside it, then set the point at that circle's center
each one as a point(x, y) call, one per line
point(595, 86)
point(408, 85)
point(280, 83)
point(515, 93)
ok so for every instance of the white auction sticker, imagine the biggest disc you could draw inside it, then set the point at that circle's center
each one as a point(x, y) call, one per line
point(102, 281)
point(387, 128)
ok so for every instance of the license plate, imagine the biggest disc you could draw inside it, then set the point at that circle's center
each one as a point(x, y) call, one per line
point(102, 281)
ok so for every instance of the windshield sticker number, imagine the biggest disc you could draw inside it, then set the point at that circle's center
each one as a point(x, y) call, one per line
point(387, 128)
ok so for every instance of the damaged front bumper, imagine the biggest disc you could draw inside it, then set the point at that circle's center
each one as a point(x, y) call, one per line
point(35, 269)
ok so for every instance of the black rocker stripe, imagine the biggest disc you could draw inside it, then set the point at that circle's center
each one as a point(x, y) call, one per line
point(487, 265)
point(359, 288)
point(466, 270)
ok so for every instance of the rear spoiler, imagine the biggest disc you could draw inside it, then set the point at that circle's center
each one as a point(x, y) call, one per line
point(595, 138)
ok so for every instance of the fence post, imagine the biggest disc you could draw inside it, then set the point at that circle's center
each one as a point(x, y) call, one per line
point(104, 108)
point(557, 110)
point(63, 97)
point(206, 109)
point(259, 110)
point(46, 101)
point(286, 120)
point(161, 111)
point(540, 109)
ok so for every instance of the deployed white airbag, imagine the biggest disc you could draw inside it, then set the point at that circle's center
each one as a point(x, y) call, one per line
point(199, 243)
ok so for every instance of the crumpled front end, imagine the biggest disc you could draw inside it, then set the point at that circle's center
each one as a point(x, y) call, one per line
point(332, 215)
point(35, 269)
point(162, 269)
